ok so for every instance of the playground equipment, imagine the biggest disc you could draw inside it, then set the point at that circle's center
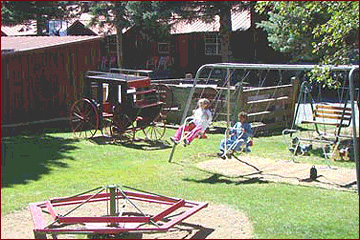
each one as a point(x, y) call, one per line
point(275, 104)
point(268, 107)
point(123, 213)
point(122, 102)
point(325, 123)
point(186, 129)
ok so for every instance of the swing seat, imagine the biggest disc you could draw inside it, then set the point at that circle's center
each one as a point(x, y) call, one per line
point(244, 148)
point(330, 115)
point(200, 135)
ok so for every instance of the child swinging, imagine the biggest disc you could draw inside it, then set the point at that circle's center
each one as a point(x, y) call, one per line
point(200, 121)
point(239, 135)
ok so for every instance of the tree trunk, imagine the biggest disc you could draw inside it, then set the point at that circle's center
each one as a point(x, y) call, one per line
point(225, 33)
point(119, 49)
point(40, 27)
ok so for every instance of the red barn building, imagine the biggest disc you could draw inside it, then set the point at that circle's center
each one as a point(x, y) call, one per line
point(42, 76)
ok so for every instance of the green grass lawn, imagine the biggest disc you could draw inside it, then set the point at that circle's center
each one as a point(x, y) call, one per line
point(37, 167)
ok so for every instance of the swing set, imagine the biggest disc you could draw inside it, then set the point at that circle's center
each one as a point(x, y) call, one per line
point(324, 122)
point(279, 102)
point(268, 106)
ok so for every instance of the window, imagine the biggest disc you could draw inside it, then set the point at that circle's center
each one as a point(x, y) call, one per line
point(163, 47)
point(57, 27)
point(212, 45)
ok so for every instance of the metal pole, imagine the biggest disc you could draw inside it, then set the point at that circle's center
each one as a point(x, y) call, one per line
point(228, 98)
point(187, 105)
point(355, 139)
point(112, 190)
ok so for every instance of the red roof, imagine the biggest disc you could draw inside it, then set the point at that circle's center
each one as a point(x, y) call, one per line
point(20, 29)
point(26, 43)
point(241, 21)
point(30, 29)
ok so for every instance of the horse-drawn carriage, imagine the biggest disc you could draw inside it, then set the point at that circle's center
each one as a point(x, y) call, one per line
point(119, 103)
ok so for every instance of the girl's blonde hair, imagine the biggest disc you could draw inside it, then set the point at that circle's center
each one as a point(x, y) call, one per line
point(203, 101)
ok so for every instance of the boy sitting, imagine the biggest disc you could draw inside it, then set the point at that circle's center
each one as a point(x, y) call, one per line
point(239, 135)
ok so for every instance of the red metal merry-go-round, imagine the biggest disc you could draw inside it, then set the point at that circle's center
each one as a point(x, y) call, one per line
point(123, 215)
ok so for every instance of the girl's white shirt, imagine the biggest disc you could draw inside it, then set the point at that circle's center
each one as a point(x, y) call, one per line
point(200, 118)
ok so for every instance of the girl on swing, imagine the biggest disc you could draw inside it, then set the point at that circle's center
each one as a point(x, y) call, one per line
point(201, 120)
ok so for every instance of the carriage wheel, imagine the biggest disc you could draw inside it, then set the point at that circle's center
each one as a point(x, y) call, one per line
point(156, 129)
point(123, 128)
point(84, 118)
point(165, 95)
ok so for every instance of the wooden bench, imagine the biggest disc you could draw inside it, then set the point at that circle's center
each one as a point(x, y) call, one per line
point(331, 115)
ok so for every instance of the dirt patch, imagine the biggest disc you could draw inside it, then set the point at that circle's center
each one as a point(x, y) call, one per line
point(246, 167)
point(214, 222)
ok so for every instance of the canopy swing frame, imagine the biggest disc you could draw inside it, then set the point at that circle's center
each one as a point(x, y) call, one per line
point(320, 111)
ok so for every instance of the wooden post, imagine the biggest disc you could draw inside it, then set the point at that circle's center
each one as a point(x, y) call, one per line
point(240, 99)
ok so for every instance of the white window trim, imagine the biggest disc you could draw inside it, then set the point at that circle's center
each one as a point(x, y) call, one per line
point(216, 43)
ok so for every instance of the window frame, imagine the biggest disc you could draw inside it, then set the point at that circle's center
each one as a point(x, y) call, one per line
point(212, 40)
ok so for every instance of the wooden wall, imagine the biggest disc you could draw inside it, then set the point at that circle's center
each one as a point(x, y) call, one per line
point(269, 108)
point(41, 84)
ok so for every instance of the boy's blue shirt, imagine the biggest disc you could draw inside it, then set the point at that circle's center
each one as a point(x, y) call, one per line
point(237, 130)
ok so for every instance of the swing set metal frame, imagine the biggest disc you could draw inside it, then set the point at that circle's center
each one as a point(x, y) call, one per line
point(335, 116)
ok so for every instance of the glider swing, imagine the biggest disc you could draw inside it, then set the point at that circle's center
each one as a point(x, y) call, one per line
point(324, 117)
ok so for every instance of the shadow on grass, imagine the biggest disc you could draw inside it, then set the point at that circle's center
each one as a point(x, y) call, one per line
point(218, 178)
point(139, 143)
point(28, 157)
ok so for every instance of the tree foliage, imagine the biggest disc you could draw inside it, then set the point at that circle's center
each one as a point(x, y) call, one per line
point(326, 32)
point(21, 12)
point(155, 18)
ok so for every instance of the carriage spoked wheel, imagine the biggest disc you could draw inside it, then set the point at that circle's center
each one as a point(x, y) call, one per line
point(156, 129)
point(165, 95)
point(84, 118)
point(122, 128)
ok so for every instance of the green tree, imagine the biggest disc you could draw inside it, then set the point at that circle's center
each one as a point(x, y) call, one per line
point(325, 32)
point(21, 12)
point(116, 15)
point(160, 16)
